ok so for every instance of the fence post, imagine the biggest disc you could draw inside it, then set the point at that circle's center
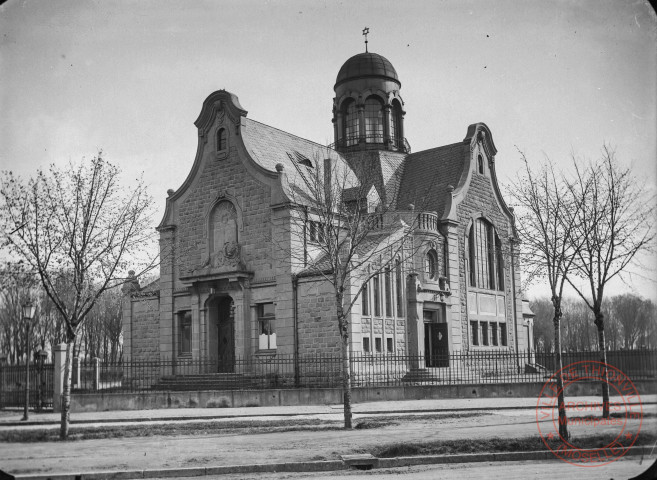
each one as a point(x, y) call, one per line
point(96, 382)
point(59, 359)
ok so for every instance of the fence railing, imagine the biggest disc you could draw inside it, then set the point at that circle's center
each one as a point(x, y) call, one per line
point(12, 386)
point(324, 371)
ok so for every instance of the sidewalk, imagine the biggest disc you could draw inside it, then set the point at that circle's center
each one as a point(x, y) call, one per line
point(11, 418)
point(295, 450)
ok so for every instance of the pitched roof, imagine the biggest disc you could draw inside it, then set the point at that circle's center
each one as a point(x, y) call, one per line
point(269, 146)
point(427, 174)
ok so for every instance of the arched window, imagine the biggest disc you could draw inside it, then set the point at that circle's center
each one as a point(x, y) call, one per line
point(431, 264)
point(480, 163)
point(221, 139)
point(485, 256)
point(395, 125)
point(373, 120)
point(350, 122)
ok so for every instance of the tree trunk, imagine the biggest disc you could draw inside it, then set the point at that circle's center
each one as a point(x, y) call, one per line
point(346, 382)
point(66, 394)
point(600, 323)
point(563, 419)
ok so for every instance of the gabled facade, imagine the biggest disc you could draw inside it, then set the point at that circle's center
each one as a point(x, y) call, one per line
point(232, 285)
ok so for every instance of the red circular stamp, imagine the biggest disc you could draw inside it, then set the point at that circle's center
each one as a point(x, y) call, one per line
point(584, 420)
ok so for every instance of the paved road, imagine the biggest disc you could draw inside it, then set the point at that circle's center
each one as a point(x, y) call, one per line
point(501, 418)
point(620, 470)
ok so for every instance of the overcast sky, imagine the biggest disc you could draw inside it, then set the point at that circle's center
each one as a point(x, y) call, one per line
point(550, 77)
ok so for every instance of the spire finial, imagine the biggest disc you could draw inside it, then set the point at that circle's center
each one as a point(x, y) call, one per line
point(366, 30)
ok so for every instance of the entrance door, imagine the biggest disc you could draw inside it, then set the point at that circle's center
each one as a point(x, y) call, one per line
point(436, 346)
point(225, 339)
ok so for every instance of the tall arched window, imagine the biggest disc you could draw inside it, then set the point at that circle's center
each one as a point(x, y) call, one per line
point(351, 123)
point(431, 264)
point(400, 288)
point(221, 139)
point(485, 256)
point(395, 125)
point(373, 120)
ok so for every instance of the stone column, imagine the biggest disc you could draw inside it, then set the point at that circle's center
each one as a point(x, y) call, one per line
point(167, 262)
point(415, 323)
point(59, 359)
point(453, 303)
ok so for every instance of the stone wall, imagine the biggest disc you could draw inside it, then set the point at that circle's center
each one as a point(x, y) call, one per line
point(317, 319)
point(229, 177)
point(144, 329)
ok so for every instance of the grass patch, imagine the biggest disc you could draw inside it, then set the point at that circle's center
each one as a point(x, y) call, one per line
point(243, 427)
point(494, 445)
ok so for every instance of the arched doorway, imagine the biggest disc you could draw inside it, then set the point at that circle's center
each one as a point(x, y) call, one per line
point(224, 322)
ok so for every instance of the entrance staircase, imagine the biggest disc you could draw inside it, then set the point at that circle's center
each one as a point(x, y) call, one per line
point(206, 381)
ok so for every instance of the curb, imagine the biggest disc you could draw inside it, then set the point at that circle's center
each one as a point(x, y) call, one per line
point(316, 466)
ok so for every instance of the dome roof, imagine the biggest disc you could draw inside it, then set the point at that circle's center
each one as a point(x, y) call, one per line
point(366, 65)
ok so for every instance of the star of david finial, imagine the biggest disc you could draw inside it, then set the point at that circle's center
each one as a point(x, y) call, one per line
point(366, 30)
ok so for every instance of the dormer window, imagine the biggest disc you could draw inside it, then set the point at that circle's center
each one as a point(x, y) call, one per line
point(480, 163)
point(221, 139)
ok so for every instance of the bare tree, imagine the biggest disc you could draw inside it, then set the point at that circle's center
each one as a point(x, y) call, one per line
point(355, 236)
point(616, 223)
point(76, 228)
point(550, 243)
point(633, 314)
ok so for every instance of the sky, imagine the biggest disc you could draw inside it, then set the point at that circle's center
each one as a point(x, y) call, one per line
point(555, 79)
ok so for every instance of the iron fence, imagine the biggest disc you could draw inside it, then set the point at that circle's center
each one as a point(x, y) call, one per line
point(324, 371)
point(12, 386)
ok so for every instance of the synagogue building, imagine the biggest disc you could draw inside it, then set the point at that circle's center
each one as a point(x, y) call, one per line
point(240, 240)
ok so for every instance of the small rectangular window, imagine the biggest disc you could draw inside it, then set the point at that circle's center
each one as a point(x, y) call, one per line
point(484, 333)
point(503, 335)
point(377, 344)
point(312, 231)
point(474, 329)
point(266, 327)
point(389, 345)
point(366, 344)
point(185, 332)
point(494, 334)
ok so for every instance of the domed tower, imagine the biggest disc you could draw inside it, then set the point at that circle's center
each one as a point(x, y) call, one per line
point(367, 109)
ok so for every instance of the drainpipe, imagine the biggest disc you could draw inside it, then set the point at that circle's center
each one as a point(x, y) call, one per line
point(295, 285)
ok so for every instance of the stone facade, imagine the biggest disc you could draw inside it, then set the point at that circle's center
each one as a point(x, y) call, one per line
point(239, 233)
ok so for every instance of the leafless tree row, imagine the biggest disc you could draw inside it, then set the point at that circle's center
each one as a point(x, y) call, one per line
point(584, 230)
point(631, 324)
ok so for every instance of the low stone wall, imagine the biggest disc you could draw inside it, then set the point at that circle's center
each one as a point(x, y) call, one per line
point(321, 396)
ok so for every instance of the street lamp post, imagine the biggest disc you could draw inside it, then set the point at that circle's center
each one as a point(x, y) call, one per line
point(28, 315)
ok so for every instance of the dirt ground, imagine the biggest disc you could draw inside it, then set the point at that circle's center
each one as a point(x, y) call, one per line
point(154, 452)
